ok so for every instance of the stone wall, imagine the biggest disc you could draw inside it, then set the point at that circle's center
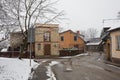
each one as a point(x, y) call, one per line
point(39, 39)
point(16, 39)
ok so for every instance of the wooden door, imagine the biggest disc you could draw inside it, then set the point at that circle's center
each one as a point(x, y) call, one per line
point(109, 55)
point(47, 49)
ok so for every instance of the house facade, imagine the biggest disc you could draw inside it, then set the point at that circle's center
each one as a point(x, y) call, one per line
point(111, 44)
point(115, 44)
point(46, 40)
point(70, 39)
point(106, 42)
point(94, 45)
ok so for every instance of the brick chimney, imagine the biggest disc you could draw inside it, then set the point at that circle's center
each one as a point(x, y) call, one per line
point(78, 32)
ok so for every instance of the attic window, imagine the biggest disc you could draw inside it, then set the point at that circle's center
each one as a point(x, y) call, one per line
point(75, 38)
point(62, 38)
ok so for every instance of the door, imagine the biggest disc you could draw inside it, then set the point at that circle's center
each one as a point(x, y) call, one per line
point(109, 55)
point(47, 49)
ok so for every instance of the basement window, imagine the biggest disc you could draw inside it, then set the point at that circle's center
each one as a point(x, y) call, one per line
point(39, 46)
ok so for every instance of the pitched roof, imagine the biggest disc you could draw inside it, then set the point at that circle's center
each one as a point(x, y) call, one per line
point(114, 29)
point(94, 41)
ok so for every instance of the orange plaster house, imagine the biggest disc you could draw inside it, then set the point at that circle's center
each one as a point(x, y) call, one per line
point(70, 39)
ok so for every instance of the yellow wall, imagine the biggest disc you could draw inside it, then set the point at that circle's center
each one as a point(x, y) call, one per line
point(39, 39)
point(107, 50)
point(115, 53)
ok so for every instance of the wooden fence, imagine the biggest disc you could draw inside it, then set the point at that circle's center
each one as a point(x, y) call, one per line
point(70, 52)
point(14, 54)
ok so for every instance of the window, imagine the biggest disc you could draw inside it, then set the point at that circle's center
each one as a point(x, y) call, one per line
point(75, 38)
point(118, 42)
point(47, 36)
point(39, 46)
point(62, 38)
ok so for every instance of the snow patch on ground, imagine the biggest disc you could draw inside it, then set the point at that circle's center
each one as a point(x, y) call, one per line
point(67, 57)
point(50, 73)
point(15, 69)
point(53, 63)
point(49, 70)
point(83, 54)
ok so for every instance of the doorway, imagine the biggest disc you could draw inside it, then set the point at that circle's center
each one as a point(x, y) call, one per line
point(47, 49)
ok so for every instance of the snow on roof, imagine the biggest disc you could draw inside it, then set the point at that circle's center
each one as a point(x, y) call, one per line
point(94, 43)
point(113, 28)
point(112, 24)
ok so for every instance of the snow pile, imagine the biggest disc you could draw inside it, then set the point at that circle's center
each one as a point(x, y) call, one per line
point(50, 73)
point(15, 69)
point(83, 54)
point(68, 57)
point(49, 70)
point(4, 50)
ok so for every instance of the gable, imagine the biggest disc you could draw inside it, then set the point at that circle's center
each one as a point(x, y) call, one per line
point(69, 33)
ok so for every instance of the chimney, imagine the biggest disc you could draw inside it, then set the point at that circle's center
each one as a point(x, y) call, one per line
point(78, 32)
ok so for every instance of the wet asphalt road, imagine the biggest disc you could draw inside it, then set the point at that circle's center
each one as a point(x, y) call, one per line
point(80, 68)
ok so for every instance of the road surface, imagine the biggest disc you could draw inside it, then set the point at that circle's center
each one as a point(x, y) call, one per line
point(89, 67)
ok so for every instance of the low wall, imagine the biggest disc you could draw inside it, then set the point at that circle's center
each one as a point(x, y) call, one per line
point(70, 52)
point(15, 54)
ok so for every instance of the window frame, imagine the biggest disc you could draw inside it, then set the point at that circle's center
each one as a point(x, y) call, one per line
point(47, 36)
point(39, 47)
point(118, 42)
point(62, 38)
point(75, 38)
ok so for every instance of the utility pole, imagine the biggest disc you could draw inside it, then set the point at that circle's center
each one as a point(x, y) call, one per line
point(30, 43)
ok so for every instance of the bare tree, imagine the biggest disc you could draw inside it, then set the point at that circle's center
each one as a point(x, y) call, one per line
point(92, 32)
point(26, 13)
point(4, 30)
point(89, 33)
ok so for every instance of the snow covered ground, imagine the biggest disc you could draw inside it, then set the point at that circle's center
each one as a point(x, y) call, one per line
point(15, 69)
point(49, 70)
point(83, 54)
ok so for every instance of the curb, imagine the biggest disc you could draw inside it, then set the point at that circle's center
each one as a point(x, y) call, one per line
point(112, 63)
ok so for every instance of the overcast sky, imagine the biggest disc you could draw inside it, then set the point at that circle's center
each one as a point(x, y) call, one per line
point(83, 14)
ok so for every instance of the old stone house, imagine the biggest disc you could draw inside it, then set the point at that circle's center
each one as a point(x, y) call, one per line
point(46, 40)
